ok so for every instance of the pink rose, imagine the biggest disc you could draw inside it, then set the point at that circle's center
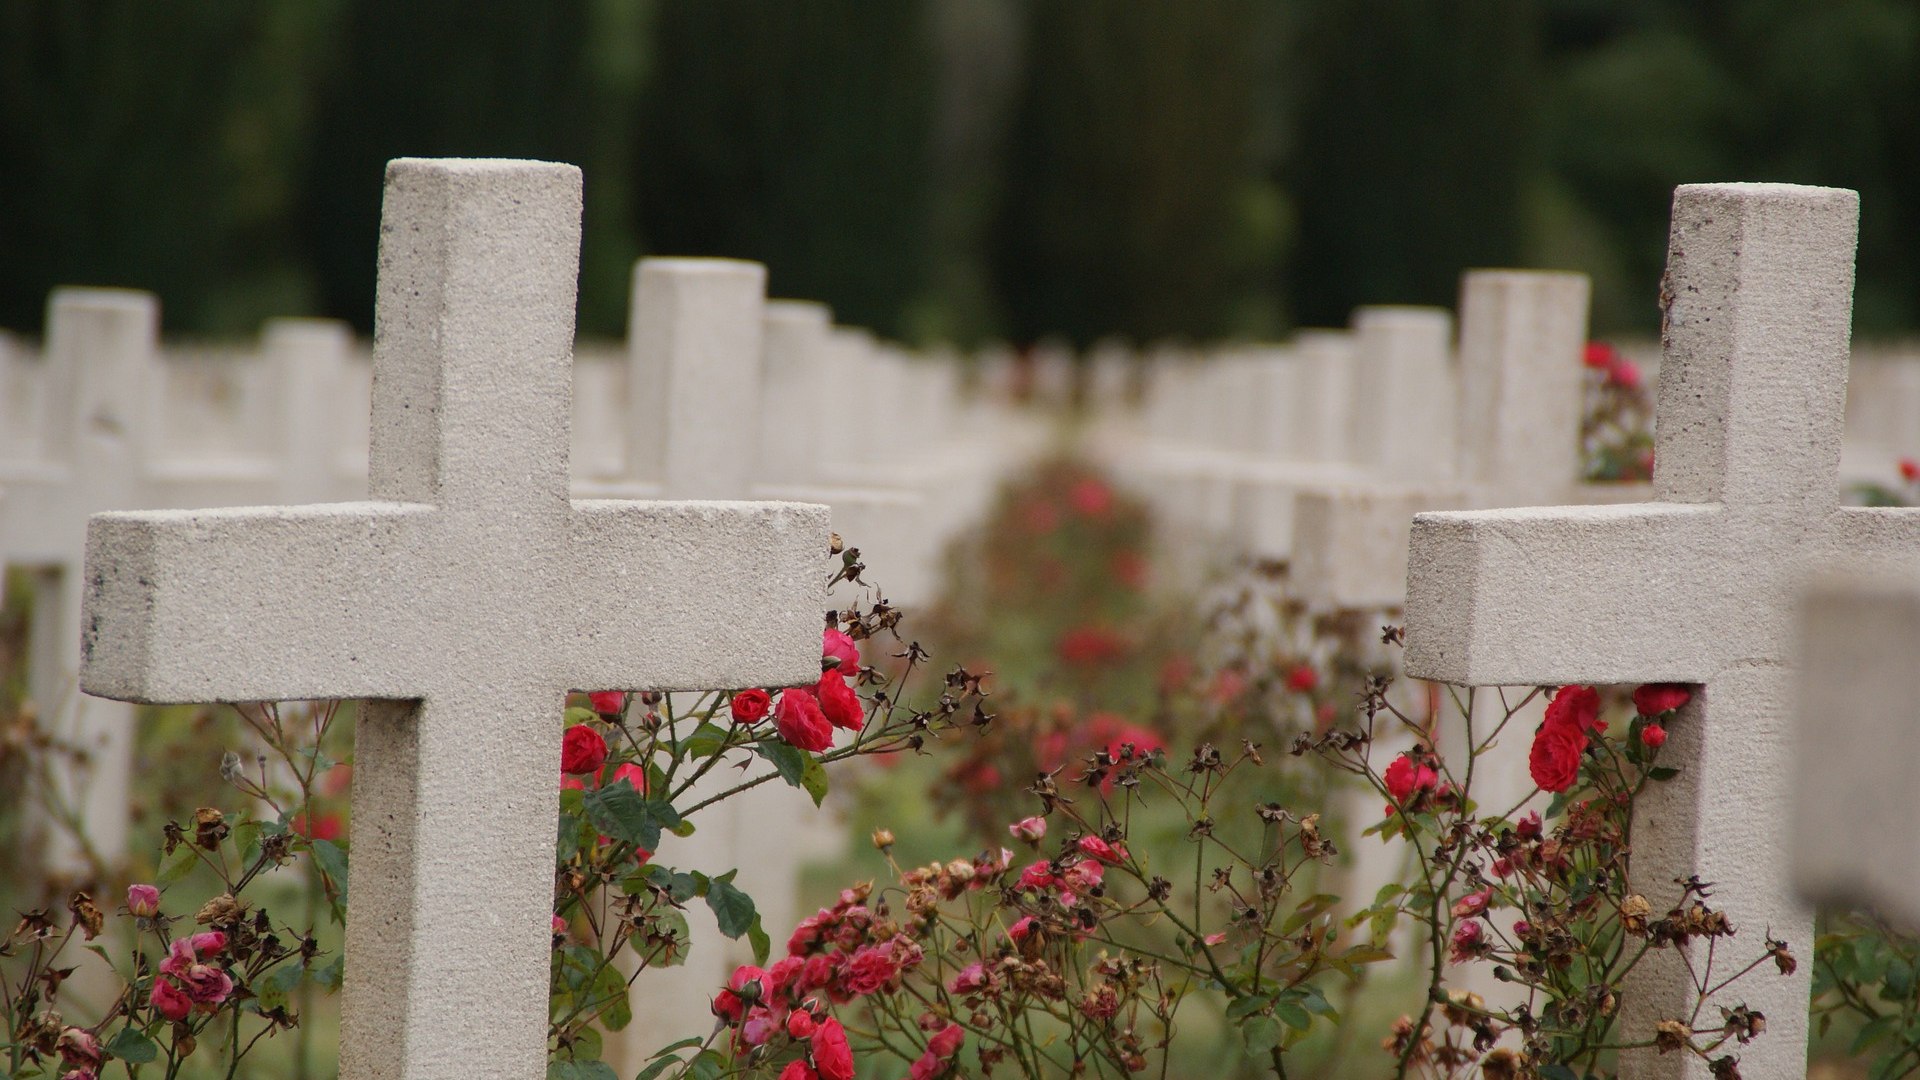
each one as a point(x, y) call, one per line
point(972, 979)
point(1038, 875)
point(838, 702)
point(750, 706)
point(760, 1026)
point(946, 1042)
point(731, 1004)
point(143, 901)
point(80, 1047)
point(202, 982)
point(1032, 829)
point(1473, 904)
point(582, 751)
point(869, 969)
point(831, 1054)
point(800, 1024)
point(169, 1001)
point(1021, 930)
point(1090, 498)
point(1100, 849)
point(800, 720)
point(1467, 941)
point(840, 648)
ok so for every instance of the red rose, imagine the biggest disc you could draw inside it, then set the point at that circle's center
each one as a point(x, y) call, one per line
point(608, 702)
point(798, 1069)
point(800, 720)
point(1599, 355)
point(1654, 736)
point(1555, 758)
point(867, 970)
point(800, 1024)
point(831, 1054)
point(1576, 705)
point(838, 701)
point(632, 774)
point(1404, 776)
point(582, 751)
point(1909, 469)
point(750, 706)
point(1656, 698)
point(1303, 679)
point(840, 647)
point(1624, 374)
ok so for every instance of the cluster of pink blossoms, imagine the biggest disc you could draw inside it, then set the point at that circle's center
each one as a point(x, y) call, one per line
point(836, 955)
point(189, 976)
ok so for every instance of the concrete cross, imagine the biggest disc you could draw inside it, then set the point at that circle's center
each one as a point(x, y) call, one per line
point(1697, 585)
point(1395, 402)
point(1521, 336)
point(97, 365)
point(1856, 829)
point(465, 601)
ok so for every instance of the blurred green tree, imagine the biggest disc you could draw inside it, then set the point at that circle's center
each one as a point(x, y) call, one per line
point(154, 146)
point(1416, 140)
point(1131, 199)
point(797, 134)
point(433, 78)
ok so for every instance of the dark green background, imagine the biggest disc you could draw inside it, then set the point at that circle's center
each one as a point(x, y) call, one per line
point(953, 168)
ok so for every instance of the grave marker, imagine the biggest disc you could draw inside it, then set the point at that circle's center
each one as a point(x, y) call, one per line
point(1856, 826)
point(1697, 585)
point(466, 600)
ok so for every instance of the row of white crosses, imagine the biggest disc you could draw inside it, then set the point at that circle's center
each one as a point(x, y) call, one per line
point(90, 434)
point(1698, 585)
point(464, 601)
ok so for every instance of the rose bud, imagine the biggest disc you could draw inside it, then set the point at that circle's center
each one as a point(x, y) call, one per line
point(143, 901)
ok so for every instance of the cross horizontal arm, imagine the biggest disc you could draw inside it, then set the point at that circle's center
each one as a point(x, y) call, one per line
point(696, 595)
point(1554, 595)
point(251, 604)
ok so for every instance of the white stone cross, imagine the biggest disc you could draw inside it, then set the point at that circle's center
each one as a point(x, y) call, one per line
point(1697, 586)
point(466, 600)
point(1521, 336)
point(1856, 825)
point(98, 359)
point(1397, 424)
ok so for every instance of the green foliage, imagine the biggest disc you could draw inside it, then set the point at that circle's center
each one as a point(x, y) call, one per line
point(796, 135)
point(1131, 203)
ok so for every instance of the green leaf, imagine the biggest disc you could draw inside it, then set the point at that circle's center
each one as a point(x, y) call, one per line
point(788, 760)
point(610, 991)
point(1249, 1005)
point(1662, 772)
point(327, 977)
point(1291, 1014)
point(176, 866)
point(130, 1044)
point(732, 909)
point(706, 741)
point(332, 860)
point(246, 840)
point(625, 814)
point(578, 715)
point(757, 935)
point(813, 777)
point(709, 1065)
point(659, 1066)
point(1261, 1034)
point(1557, 1072)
